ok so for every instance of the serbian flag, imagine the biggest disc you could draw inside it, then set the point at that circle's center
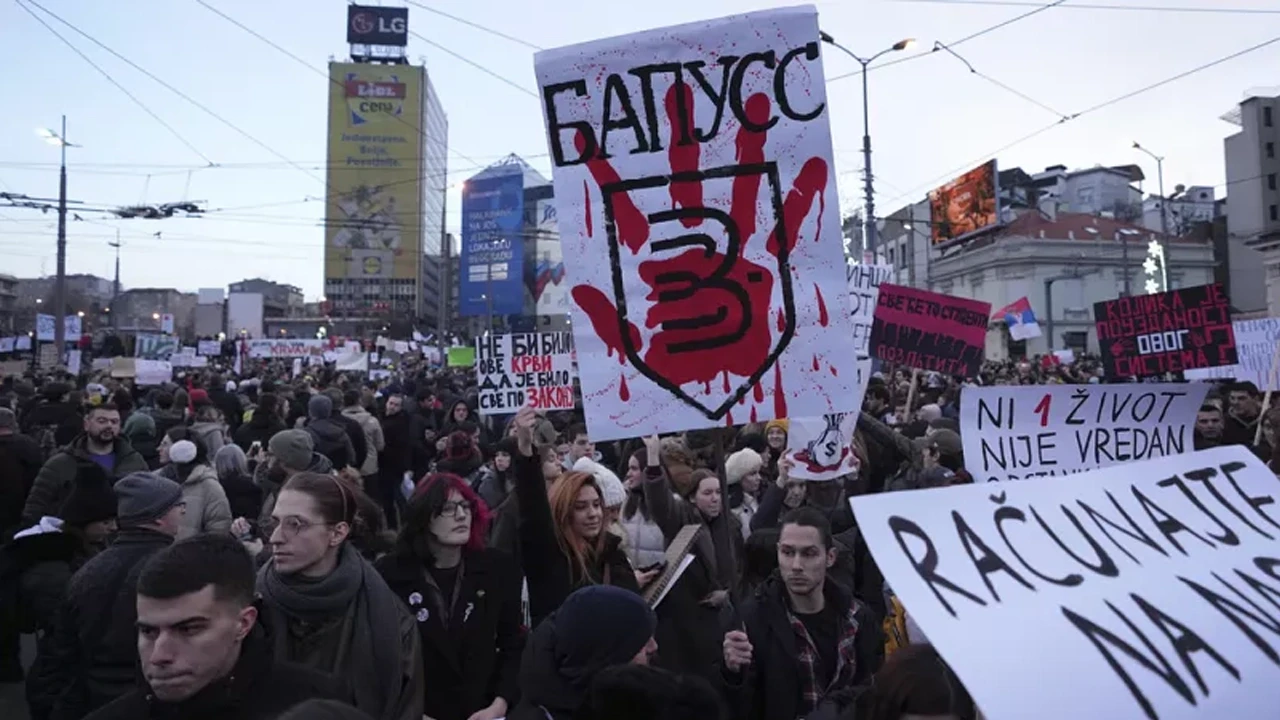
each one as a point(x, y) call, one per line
point(1020, 320)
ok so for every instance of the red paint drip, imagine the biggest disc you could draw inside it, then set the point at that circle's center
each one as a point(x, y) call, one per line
point(779, 399)
point(683, 151)
point(815, 363)
point(742, 400)
point(631, 225)
point(822, 208)
point(707, 388)
point(624, 392)
point(586, 204)
point(811, 180)
point(726, 381)
point(822, 308)
point(834, 371)
point(782, 320)
point(757, 391)
point(728, 419)
point(753, 414)
point(749, 151)
point(605, 321)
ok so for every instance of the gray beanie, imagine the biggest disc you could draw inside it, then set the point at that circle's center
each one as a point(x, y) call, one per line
point(319, 407)
point(293, 448)
point(142, 497)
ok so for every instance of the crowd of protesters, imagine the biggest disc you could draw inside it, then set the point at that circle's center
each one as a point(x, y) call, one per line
point(265, 546)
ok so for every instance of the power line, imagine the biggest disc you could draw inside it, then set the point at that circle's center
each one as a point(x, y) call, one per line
point(1095, 108)
point(1105, 6)
point(476, 65)
point(478, 26)
point(118, 86)
point(204, 108)
point(954, 43)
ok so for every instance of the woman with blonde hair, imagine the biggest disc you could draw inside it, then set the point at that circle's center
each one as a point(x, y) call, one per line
point(563, 538)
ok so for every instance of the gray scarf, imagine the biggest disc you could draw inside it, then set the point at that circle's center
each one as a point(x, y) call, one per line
point(370, 660)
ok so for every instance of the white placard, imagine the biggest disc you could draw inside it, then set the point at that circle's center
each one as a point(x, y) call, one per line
point(698, 214)
point(864, 292)
point(188, 360)
point(1257, 341)
point(6, 344)
point(208, 347)
point(286, 348)
point(352, 361)
point(1017, 432)
point(22, 343)
point(73, 361)
point(166, 323)
point(1145, 590)
point(155, 347)
point(534, 369)
point(822, 448)
point(72, 327)
point(152, 372)
point(45, 328)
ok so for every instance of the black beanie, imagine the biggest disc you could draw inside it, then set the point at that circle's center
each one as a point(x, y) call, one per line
point(599, 626)
point(91, 500)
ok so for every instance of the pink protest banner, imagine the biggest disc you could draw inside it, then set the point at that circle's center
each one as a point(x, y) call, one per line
point(930, 331)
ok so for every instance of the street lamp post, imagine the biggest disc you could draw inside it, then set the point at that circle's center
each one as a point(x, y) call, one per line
point(870, 210)
point(1164, 211)
point(60, 281)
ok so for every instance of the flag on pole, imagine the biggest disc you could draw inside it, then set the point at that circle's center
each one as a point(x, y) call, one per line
point(1020, 319)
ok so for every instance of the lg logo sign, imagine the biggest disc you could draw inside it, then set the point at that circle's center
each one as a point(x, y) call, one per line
point(377, 25)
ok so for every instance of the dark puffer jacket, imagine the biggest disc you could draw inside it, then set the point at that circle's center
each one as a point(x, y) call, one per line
point(95, 640)
point(69, 465)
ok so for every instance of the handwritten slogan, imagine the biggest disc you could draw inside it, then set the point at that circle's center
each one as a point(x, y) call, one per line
point(1029, 431)
point(864, 291)
point(822, 447)
point(534, 369)
point(1145, 590)
point(695, 193)
point(930, 331)
point(1257, 343)
point(1172, 331)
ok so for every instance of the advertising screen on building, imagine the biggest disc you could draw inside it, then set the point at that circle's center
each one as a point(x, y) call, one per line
point(368, 25)
point(374, 202)
point(492, 262)
point(965, 205)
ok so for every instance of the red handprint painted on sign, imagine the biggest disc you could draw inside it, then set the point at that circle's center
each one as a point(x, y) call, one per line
point(713, 307)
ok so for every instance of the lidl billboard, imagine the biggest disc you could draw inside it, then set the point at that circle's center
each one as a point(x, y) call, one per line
point(374, 201)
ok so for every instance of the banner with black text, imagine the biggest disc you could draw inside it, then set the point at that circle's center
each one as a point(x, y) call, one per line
point(534, 369)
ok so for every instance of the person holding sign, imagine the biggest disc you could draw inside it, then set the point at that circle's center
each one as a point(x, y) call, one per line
point(563, 540)
point(803, 645)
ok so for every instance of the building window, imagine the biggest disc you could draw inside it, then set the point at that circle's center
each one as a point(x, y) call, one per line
point(1271, 181)
point(1271, 149)
point(1266, 116)
point(1275, 213)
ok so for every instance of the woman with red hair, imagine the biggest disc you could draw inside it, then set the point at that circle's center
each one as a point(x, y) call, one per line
point(563, 540)
point(466, 599)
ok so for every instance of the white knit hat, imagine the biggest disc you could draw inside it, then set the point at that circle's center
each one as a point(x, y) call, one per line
point(613, 492)
point(182, 452)
point(741, 464)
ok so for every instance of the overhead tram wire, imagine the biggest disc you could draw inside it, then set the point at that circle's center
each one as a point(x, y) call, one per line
point(168, 86)
point(953, 43)
point(1106, 6)
point(1087, 111)
point(476, 25)
point(117, 85)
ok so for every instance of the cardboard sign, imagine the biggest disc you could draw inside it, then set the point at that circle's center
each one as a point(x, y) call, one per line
point(930, 331)
point(1144, 590)
point(1257, 342)
point(822, 448)
point(1017, 432)
point(534, 369)
point(698, 216)
point(1166, 332)
point(209, 348)
point(864, 292)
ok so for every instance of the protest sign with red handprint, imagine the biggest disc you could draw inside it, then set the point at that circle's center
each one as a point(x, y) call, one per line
point(692, 169)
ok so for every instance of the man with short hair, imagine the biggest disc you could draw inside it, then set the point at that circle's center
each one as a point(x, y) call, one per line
point(1244, 412)
point(580, 445)
point(371, 430)
point(597, 627)
point(164, 414)
point(288, 453)
point(1209, 427)
point(805, 644)
point(95, 648)
point(201, 651)
point(100, 452)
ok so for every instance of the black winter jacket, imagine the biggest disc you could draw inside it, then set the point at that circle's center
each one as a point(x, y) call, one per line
point(95, 638)
point(69, 465)
point(20, 461)
point(331, 440)
point(769, 688)
point(476, 658)
point(260, 428)
point(395, 456)
point(550, 573)
point(258, 688)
